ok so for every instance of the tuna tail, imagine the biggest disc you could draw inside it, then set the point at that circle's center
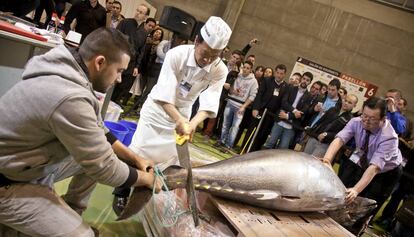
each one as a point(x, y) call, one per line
point(138, 199)
point(175, 177)
point(348, 215)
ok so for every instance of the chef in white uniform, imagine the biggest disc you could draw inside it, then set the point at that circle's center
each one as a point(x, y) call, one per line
point(189, 71)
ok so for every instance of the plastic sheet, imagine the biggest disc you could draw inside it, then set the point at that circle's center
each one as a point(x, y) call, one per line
point(172, 214)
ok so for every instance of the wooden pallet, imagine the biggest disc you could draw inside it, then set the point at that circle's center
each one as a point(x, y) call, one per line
point(252, 221)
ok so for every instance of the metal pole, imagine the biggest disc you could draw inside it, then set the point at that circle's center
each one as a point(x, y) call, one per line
point(257, 130)
point(248, 140)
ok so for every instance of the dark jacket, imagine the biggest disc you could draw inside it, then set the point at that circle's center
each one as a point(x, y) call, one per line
point(266, 96)
point(311, 115)
point(308, 115)
point(331, 122)
point(303, 105)
point(88, 18)
point(137, 37)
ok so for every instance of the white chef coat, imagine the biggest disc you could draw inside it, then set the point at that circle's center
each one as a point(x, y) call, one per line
point(154, 138)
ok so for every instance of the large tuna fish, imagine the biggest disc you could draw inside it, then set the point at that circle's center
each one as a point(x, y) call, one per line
point(274, 179)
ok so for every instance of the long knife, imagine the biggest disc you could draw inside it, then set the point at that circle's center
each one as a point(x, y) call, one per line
point(184, 158)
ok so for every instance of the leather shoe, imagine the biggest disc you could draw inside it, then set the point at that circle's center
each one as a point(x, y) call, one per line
point(119, 204)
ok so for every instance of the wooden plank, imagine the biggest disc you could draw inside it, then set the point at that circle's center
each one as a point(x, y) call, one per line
point(328, 224)
point(245, 220)
point(254, 222)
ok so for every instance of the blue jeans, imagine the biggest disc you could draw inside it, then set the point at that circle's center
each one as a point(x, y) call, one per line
point(231, 122)
point(315, 148)
point(278, 132)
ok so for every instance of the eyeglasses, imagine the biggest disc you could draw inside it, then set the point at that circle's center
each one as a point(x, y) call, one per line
point(368, 118)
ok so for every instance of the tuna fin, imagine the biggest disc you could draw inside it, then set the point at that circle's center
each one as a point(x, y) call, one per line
point(264, 194)
point(175, 177)
point(138, 199)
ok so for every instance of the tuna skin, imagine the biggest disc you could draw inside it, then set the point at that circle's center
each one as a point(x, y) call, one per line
point(274, 179)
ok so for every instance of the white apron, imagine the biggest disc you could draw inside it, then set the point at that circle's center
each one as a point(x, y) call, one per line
point(155, 137)
point(154, 141)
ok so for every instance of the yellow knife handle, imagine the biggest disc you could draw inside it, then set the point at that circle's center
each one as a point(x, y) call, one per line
point(181, 139)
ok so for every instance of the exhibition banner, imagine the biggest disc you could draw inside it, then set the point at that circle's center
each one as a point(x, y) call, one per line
point(362, 89)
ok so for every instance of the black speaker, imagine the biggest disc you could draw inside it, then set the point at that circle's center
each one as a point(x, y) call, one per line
point(177, 21)
point(197, 29)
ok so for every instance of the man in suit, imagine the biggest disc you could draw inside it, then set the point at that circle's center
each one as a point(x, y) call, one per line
point(269, 97)
point(137, 29)
point(294, 104)
point(89, 15)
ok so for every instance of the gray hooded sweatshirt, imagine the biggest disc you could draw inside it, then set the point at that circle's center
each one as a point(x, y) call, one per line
point(243, 88)
point(52, 115)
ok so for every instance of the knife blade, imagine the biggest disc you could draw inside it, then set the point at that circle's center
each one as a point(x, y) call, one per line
point(184, 158)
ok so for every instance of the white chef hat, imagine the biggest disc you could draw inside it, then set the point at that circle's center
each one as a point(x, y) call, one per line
point(216, 33)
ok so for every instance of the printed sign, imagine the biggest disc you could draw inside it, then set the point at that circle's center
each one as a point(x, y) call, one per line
point(361, 89)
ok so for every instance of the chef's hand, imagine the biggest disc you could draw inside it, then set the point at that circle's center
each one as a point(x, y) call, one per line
point(149, 180)
point(192, 129)
point(351, 194)
point(182, 127)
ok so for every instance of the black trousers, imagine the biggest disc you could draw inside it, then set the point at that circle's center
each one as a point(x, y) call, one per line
point(404, 188)
point(220, 118)
point(380, 187)
point(121, 192)
point(250, 123)
point(46, 5)
point(20, 8)
point(264, 131)
point(121, 91)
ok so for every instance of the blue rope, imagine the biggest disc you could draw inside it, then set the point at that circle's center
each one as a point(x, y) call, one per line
point(169, 203)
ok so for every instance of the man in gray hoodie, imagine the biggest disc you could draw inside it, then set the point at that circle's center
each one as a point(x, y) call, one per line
point(241, 95)
point(51, 129)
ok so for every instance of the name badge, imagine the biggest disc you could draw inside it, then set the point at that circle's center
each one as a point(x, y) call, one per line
point(355, 157)
point(276, 92)
point(185, 88)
